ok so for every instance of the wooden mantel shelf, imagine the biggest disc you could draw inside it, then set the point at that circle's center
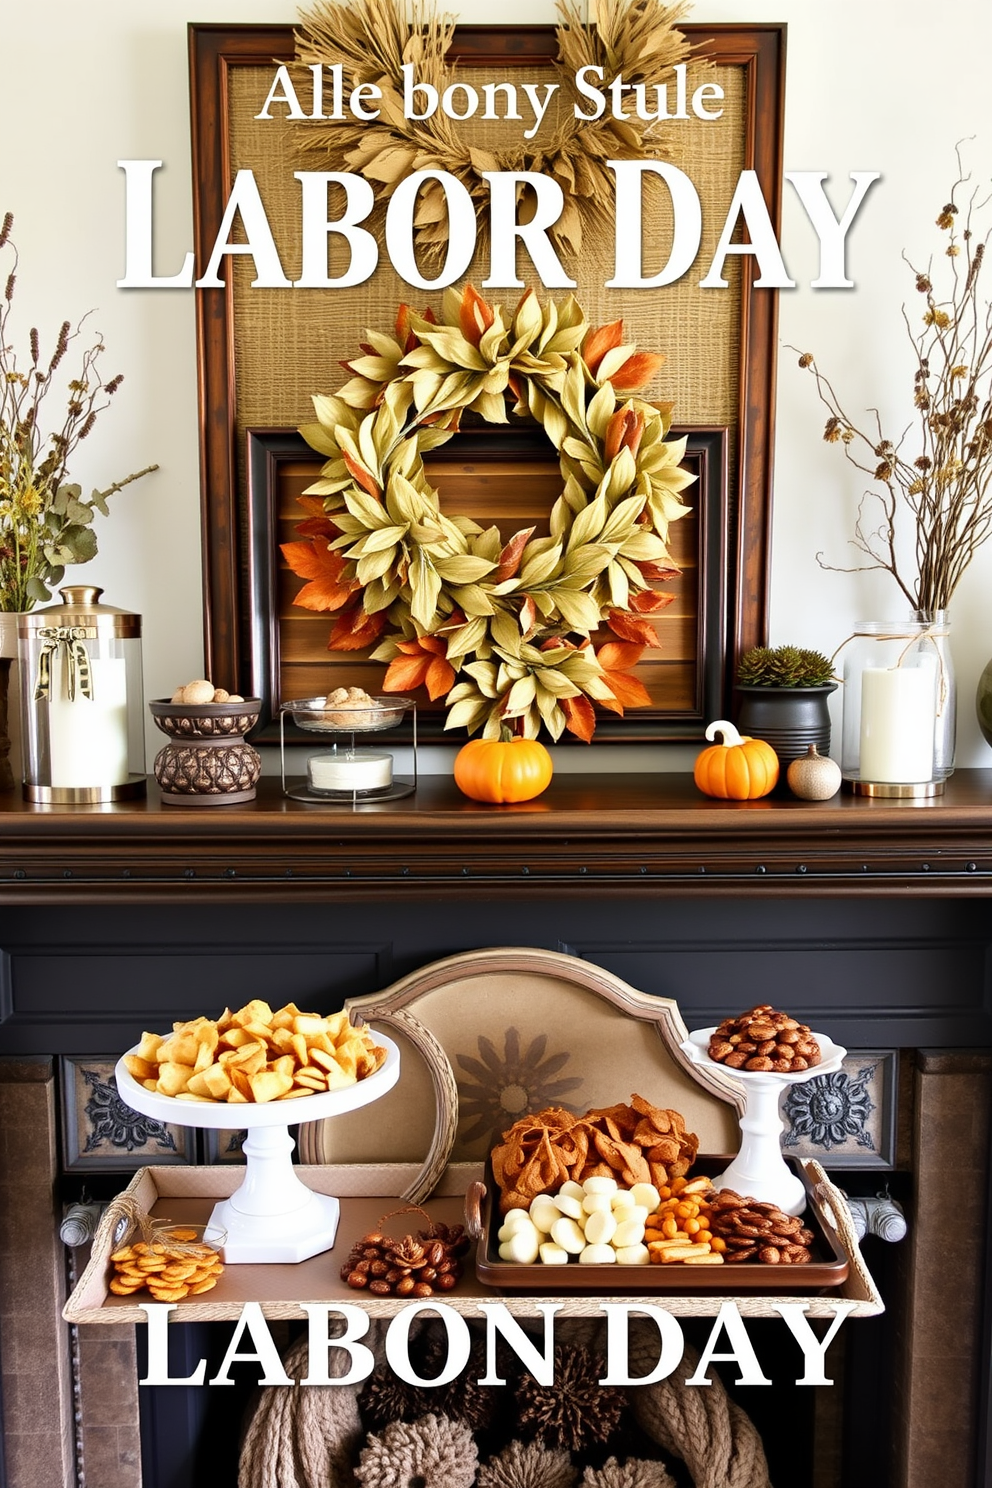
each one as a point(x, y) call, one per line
point(623, 834)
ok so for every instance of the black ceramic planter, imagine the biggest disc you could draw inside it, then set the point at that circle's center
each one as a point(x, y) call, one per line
point(790, 719)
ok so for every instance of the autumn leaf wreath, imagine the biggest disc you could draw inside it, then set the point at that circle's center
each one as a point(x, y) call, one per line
point(525, 632)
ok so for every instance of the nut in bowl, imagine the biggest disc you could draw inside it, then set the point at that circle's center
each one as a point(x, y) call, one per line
point(207, 761)
point(339, 713)
point(231, 718)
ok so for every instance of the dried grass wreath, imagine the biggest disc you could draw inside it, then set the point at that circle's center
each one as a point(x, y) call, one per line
point(372, 40)
point(502, 630)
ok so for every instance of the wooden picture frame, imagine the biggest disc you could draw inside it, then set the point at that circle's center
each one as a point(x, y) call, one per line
point(100, 1133)
point(232, 573)
point(277, 458)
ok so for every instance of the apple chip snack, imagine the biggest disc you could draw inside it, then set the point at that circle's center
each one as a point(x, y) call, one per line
point(255, 1055)
point(173, 1263)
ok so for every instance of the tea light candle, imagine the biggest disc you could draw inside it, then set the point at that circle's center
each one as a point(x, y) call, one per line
point(897, 724)
point(88, 736)
point(347, 770)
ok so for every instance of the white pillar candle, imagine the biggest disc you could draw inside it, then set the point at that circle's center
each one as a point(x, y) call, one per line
point(350, 770)
point(897, 724)
point(88, 735)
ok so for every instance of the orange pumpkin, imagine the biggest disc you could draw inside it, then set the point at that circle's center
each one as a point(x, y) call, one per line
point(738, 768)
point(510, 769)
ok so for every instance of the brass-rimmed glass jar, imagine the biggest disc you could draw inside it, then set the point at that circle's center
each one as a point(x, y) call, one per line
point(899, 707)
point(82, 701)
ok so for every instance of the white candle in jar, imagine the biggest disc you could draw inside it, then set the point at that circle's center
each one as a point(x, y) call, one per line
point(350, 770)
point(88, 735)
point(897, 724)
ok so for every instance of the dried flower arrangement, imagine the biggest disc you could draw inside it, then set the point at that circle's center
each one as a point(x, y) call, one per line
point(373, 39)
point(44, 521)
point(939, 470)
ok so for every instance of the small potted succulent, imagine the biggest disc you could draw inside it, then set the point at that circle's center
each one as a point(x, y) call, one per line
point(783, 699)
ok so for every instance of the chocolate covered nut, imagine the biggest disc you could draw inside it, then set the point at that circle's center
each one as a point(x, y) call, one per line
point(764, 1033)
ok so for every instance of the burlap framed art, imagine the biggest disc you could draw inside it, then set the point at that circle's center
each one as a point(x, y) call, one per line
point(263, 353)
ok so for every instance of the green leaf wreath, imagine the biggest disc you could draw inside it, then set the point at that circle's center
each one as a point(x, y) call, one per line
point(504, 631)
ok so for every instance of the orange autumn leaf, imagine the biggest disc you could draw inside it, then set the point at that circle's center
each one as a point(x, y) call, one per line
point(475, 315)
point(650, 601)
point(632, 628)
point(581, 717)
point(617, 658)
point(511, 554)
point(355, 631)
point(317, 527)
point(361, 476)
point(328, 588)
point(312, 504)
point(637, 371)
point(318, 523)
point(422, 663)
point(624, 431)
point(658, 572)
point(599, 341)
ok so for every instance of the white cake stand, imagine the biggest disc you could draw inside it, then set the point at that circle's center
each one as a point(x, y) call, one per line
point(759, 1170)
point(272, 1217)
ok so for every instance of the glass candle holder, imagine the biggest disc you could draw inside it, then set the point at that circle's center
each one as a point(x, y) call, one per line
point(341, 773)
point(897, 689)
point(82, 703)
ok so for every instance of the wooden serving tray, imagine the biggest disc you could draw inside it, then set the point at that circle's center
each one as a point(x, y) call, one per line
point(827, 1270)
point(370, 1192)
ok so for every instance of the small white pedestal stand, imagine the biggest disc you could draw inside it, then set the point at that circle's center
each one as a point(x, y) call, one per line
point(759, 1170)
point(272, 1217)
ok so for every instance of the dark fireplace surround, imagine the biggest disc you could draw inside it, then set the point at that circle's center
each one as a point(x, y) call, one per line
point(868, 919)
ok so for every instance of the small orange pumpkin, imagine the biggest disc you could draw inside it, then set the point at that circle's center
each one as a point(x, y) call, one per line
point(738, 768)
point(499, 770)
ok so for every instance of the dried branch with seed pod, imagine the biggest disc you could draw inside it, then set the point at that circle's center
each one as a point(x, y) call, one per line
point(936, 478)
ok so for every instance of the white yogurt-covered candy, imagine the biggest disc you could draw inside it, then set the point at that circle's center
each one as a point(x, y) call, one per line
point(632, 1255)
point(597, 1255)
point(554, 1255)
point(600, 1185)
point(514, 1220)
point(622, 1199)
point(567, 1205)
point(566, 1233)
point(627, 1232)
point(543, 1212)
point(571, 1190)
point(646, 1194)
point(601, 1227)
point(523, 1246)
point(596, 1201)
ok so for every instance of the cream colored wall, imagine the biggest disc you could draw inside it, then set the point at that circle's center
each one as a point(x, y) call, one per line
point(887, 85)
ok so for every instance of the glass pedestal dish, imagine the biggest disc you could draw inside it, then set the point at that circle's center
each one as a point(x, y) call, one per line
point(272, 1217)
point(759, 1171)
point(340, 773)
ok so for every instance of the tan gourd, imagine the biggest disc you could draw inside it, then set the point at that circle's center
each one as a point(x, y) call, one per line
point(813, 777)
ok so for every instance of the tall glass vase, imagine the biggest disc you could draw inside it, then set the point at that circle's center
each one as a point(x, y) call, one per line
point(938, 635)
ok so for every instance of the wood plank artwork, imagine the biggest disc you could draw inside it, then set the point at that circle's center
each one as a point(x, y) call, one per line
point(509, 479)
